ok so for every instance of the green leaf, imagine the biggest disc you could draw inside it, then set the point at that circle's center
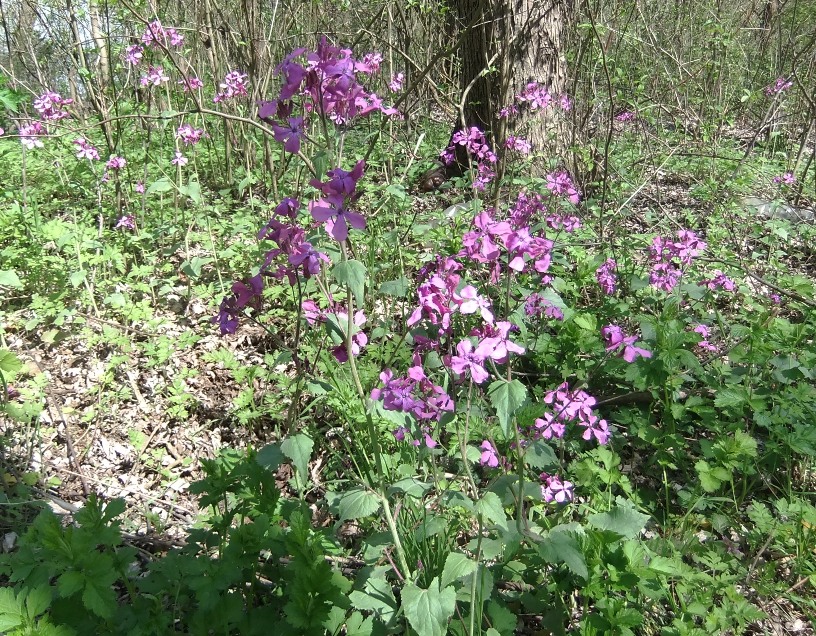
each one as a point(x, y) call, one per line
point(490, 506)
point(99, 598)
point(506, 397)
point(11, 610)
point(162, 185)
point(353, 274)
point(540, 455)
point(586, 322)
point(192, 190)
point(410, 486)
point(376, 597)
point(562, 547)
point(77, 277)
point(356, 625)
point(428, 611)
point(192, 268)
point(397, 288)
point(270, 456)
point(38, 601)
point(731, 397)
point(9, 278)
point(623, 519)
point(299, 450)
point(70, 583)
point(358, 503)
point(457, 565)
point(9, 363)
point(504, 621)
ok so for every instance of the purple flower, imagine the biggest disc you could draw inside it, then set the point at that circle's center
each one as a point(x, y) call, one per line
point(116, 163)
point(139, 187)
point(190, 84)
point(496, 344)
point(779, 86)
point(550, 427)
point(332, 211)
point(471, 302)
point(489, 455)
point(560, 184)
point(664, 276)
point(719, 281)
point(605, 275)
point(179, 159)
point(615, 339)
point(85, 150)
point(290, 135)
point(244, 294)
point(358, 338)
point(50, 106)
point(155, 77)
point(597, 428)
point(395, 85)
point(704, 343)
point(556, 490)
point(133, 54)
point(189, 135)
point(625, 117)
point(233, 86)
point(469, 359)
point(787, 179)
point(127, 222)
point(537, 305)
point(30, 135)
point(520, 145)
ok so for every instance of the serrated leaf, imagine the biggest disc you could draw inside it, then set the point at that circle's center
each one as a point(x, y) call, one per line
point(623, 520)
point(11, 610)
point(70, 583)
point(270, 456)
point(428, 611)
point(9, 363)
point(395, 288)
point(358, 503)
point(504, 621)
point(457, 565)
point(299, 449)
point(376, 597)
point(99, 598)
point(353, 274)
point(540, 455)
point(490, 506)
point(586, 322)
point(9, 278)
point(356, 625)
point(506, 397)
point(37, 601)
point(730, 397)
point(410, 486)
point(562, 547)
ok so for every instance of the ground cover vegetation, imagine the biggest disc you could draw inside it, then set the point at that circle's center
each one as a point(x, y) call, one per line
point(257, 378)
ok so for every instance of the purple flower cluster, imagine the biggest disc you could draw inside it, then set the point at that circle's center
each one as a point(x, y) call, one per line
point(519, 144)
point(293, 253)
point(535, 97)
point(127, 222)
point(472, 143)
point(553, 489)
point(537, 305)
point(155, 76)
point(179, 159)
point(244, 294)
point(780, 85)
point(625, 117)
point(560, 183)
point(617, 340)
point(115, 163)
point(719, 281)
point(326, 84)
point(30, 135)
point(190, 135)
point(156, 36)
point(133, 54)
point(606, 277)
point(396, 83)
point(571, 407)
point(51, 106)
point(489, 456)
point(670, 257)
point(359, 340)
point(704, 344)
point(494, 345)
point(785, 179)
point(417, 395)
point(85, 150)
point(339, 193)
point(234, 85)
point(190, 84)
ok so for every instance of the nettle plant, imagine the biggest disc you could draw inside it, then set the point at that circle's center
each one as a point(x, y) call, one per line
point(445, 380)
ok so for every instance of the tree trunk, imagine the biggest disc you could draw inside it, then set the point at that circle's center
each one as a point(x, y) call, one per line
point(506, 45)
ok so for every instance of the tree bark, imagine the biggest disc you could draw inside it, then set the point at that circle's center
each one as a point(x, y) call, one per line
point(508, 44)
